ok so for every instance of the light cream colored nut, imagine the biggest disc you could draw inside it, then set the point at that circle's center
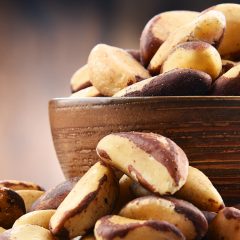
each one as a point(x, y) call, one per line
point(2, 230)
point(27, 232)
point(154, 161)
point(20, 185)
point(199, 190)
point(229, 47)
point(229, 83)
point(29, 197)
point(158, 29)
point(52, 198)
point(40, 218)
point(226, 225)
point(208, 27)
point(92, 197)
point(196, 55)
point(116, 227)
point(11, 207)
point(86, 92)
point(177, 82)
point(80, 79)
point(111, 69)
point(190, 220)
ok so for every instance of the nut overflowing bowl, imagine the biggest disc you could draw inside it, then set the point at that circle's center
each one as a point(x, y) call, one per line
point(207, 128)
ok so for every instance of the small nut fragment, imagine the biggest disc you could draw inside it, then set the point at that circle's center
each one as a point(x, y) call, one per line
point(177, 82)
point(52, 198)
point(20, 185)
point(158, 29)
point(226, 225)
point(86, 92)
point(111, 69)
point(199, 190)
point(196, 55)
point(29, 197)
point(40, 218)
point(92, 197)
point(154, 161)
point(11, 207)
point(185, 216)
point(115, 227)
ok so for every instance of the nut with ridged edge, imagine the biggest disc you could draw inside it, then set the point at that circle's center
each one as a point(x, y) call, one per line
point(154, 161)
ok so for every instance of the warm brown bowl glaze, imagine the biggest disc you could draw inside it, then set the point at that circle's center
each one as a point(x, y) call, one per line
point(207, 128)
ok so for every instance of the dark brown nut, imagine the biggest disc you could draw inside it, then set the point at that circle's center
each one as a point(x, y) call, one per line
point(93, 196)
point(11, 207)
point(208, 27)
point(52, 198)
point(154, 161)
point(80, 79)
point(158, 29)
point(27, 231)
point(116, 227)
point(185, 216)
point(226, 225)
point(177, 82)
point(196, 55)
point(86, 92)
point(112, 69)
point(199, 190)
point(228, 84)
point(135, 54)
point(229, 47)
point(20, 185)
point(227, 65)
point(29, 197)
point(139, 191)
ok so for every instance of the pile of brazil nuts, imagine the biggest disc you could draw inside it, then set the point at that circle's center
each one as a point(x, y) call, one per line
point(181, 53)
point(142, 187)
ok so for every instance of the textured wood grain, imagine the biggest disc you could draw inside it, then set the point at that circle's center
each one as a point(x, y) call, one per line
point(207, 128)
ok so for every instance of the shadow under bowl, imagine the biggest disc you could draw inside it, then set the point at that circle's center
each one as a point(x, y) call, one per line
point(206, 128)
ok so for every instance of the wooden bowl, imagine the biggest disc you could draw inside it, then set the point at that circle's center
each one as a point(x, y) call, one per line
point(207, 128)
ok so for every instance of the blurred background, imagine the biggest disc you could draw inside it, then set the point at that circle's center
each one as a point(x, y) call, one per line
point(42, 43)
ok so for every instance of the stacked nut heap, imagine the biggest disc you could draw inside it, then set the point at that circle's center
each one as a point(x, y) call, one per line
point(181, 53)
point(142, 188)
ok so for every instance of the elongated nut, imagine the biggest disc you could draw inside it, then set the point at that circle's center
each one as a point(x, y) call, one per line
point(228, 84)
point(177, 82)
point(189, 219)
point(29, 197)
point(27, 231)
point(227, 65)
point(115, 227)
point(208, 27)
point(52, 198)
point(80, 79)
point(91, 198)
point(229, 47)
point(199, 190)
point(196, 55)
point(40, 218)
point(20, 185)
point(86, 92)
point(111, 69)
point(154, 161)
point(226, 225)
point(11, 207)
point(158, 29)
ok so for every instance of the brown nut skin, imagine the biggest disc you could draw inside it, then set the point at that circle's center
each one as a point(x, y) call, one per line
point(135, 53)
point(185, 216)
point(20, 185)
point(177, 82)
point(93, 196)
point(226, 225)
point(11, 207)
point(227, 65)
point(52, 198)
point(158, 29)
point(209, 216)
point(154, 161)
point(228, 84)
point(116, 227)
